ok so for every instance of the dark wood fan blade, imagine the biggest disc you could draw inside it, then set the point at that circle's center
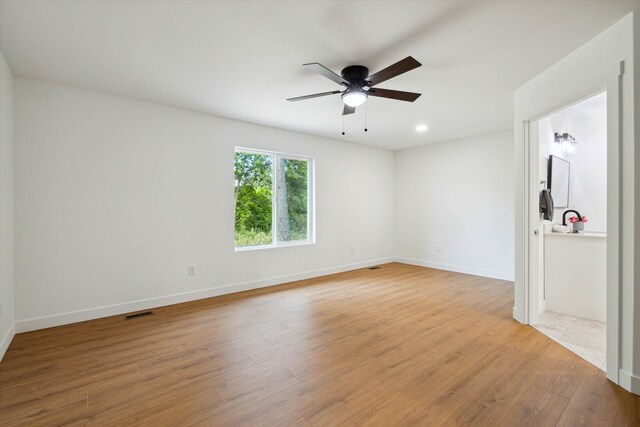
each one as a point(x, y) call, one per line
point(315, 95)
point(348, 110)
point(394, 94)
point(321, 69)
point(400, 67)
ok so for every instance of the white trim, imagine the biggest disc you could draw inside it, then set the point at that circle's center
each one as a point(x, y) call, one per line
point(27, 325)
point(614, 220)
point(279, 245)
point(502, 275)
point(6, 340)
point(516, 314)
point(629, 381)
point(271, 153)
point(524, 314)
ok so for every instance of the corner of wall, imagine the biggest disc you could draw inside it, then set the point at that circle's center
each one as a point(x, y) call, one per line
point(635, 68)
point(436, 185)
point(7, 278)
point(6, 339)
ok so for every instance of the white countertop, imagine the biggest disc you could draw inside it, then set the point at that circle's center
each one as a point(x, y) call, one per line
point(583, 235)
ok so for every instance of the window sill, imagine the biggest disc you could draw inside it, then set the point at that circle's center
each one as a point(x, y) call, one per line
point(276, 246)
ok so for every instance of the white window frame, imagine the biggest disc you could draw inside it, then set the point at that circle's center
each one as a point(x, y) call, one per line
point(311, 224)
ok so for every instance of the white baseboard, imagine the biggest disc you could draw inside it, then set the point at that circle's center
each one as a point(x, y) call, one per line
point(502, 275)
point(6, 340)
point(516, 315)
point(629, 382)
point(33, 324)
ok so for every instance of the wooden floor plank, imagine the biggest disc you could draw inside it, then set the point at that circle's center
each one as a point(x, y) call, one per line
point(536, 407)
point(597, 402)
point(397, 346)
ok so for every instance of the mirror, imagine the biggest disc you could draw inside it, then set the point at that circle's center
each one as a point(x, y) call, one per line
point(558, 181)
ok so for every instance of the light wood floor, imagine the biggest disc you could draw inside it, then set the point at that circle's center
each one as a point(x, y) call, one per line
point(400, 345)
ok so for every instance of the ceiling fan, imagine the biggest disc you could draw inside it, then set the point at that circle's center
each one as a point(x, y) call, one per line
point(359, 84)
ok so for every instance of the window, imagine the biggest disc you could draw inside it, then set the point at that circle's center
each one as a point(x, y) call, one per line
point(273, 199)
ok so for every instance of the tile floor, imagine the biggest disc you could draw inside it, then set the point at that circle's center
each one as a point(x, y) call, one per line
point(584, 337)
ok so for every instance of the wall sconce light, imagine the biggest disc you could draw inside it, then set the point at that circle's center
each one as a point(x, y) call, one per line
point(567, 142)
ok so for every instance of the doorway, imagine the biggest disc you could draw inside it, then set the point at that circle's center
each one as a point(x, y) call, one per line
point(568, 160)
point(530, 109)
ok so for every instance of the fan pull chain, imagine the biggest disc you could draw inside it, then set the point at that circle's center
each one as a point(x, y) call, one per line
point(365, 117)
point(342, 125)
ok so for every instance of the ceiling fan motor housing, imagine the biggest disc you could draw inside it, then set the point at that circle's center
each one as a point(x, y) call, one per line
point(356, 75)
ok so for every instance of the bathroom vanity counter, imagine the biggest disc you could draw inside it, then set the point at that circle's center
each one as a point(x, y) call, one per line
point(575, 274)
point(585, 235)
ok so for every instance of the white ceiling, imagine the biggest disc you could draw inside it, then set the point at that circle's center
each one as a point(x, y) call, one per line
point(241, 59)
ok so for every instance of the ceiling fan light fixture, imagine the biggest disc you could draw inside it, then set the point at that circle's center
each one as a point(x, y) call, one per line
point(360, 84)
point(354, 98)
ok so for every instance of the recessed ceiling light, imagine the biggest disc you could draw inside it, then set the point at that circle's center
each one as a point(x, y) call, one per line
point(421, 128)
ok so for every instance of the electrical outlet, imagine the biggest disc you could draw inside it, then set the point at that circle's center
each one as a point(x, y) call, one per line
point(191, 269)
point(352, 250)
point(437, 248)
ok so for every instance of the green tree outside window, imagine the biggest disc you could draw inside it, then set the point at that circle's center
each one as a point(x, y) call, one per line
point(254, 199)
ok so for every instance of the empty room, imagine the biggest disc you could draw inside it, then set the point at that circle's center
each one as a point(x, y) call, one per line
point(319, 213)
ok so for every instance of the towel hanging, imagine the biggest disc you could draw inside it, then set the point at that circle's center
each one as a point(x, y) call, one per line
point(546, 204)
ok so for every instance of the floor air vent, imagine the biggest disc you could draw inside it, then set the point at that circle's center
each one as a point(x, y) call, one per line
point(136, 315)
point(374, 268)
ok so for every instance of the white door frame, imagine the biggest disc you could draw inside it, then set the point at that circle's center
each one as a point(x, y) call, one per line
point(613, 87)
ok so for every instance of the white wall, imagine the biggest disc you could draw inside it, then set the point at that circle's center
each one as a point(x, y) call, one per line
point(7, 326)
point(634, 317)
point(457, 197)
point(114, 197)
point(589, 68)
point(587, 122)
